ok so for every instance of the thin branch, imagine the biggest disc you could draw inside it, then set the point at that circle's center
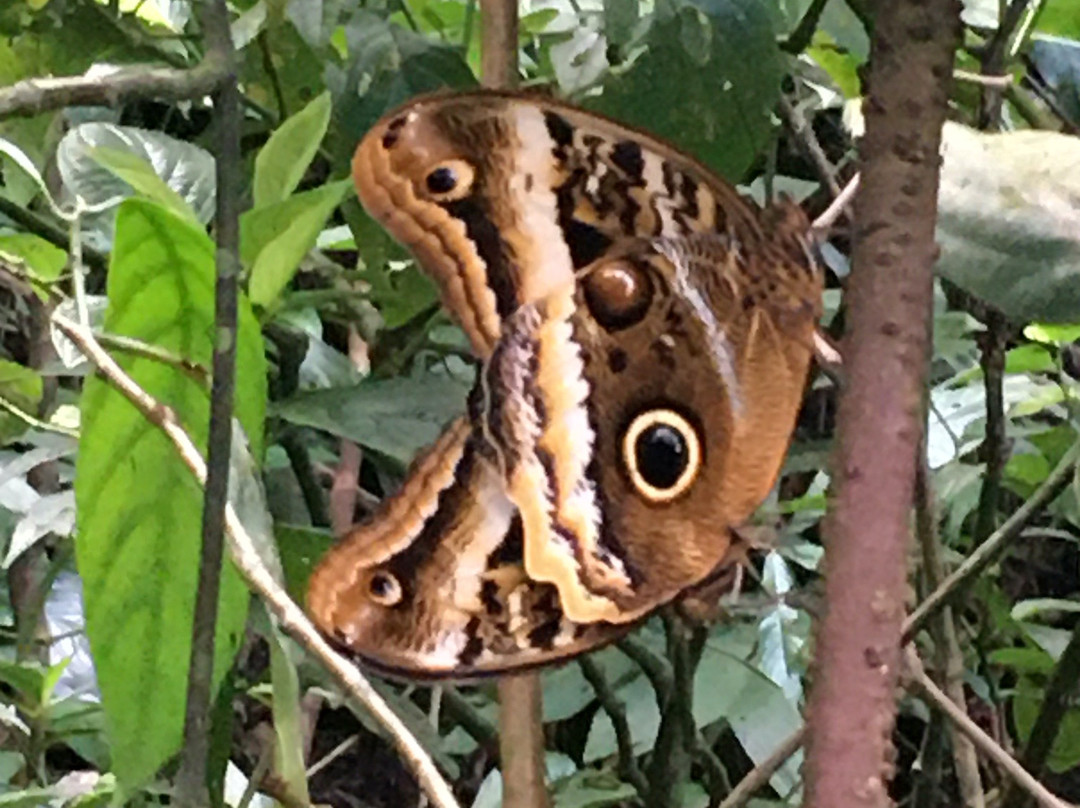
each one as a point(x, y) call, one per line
point(993, 63)
point(521, 741)
point(35, 96)
point(250, 565)
point(983, 742)
point(670, 764)
point(950, 657)
point(798, 39)
point(1057, 699)
point(656, 669)
point(994, 448)
point(499, 46)
point(189, 367)
point(989, 550)
point(191, 780)
point(616, 711)
point(304, 472)
point(758, 777)
point(35, 422)
point(1001, 82)
point(839, 205)
point(811, 147)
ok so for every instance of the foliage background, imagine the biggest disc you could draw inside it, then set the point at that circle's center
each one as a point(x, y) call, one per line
point(342, 346)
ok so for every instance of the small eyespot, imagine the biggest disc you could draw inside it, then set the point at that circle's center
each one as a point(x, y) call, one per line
point(384, 588)
point(449, 180)
point(617, 293)
point(662, 453)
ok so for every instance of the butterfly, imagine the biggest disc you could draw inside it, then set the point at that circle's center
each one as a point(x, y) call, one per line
point(644, 335)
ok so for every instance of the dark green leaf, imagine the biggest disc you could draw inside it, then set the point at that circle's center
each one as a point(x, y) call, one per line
point(722, 57)
point(396, 417)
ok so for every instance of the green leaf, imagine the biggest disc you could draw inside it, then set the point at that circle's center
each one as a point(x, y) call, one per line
point(41, 261)
point(396, 417)
point(139, 508)
point(1027, 701)
point(22, 387)
point(289, 749)
point(300, 549)
point(281, 163)
point(139, 174)
point(388, 65)
point(280, 235)
point(589, 788)
point(841, 66)
point(399, 294)
point(1007, 221)
point(722, 55)
point(1052, 334)
point(184, 167)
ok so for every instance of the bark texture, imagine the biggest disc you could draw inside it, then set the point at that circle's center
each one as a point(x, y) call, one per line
point(890, 295)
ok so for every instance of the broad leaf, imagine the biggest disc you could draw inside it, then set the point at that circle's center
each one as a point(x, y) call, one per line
point(286, 231)
point(139, 508)
point(1008, 224)
point(281, 163)
point(185, 168)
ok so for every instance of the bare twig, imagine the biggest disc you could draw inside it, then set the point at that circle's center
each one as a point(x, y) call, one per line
point(1001, 82)
point(983, 742)
point(950, 656)
point(521, 741)
point(989, 550)
point(760, 774)
point(804, 134)
point(34, 96)
point(499, 46)
point(798, 39)
point(852, 708)
point(994, 448)
point(191, 777)
point(993, 63)
point(616, 711)
point(51, 232)
point(839, 205)
point(249, 563)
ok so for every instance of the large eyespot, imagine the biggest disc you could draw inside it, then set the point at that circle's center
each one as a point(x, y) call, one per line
point(662, 453)
point(617, 293)
point(449, 180)
point(384, 588)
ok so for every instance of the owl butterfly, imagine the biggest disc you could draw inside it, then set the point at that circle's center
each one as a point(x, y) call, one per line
point(645, 335)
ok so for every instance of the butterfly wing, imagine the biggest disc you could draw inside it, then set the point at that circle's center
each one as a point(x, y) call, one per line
point(433, 585)
point(644, 411)
point(502, 197)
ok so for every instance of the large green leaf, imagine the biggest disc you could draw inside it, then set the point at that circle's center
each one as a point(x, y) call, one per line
point(722, 57)
point(139, 508)
point(1007, 220)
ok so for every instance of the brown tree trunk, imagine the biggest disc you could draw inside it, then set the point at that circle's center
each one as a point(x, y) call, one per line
point(852, 706)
